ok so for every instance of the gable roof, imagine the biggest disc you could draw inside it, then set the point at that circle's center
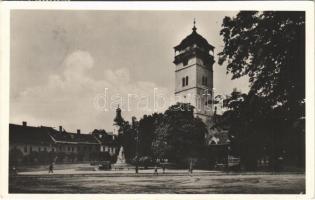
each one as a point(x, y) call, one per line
point(46, 136)
point(105, 138)
point(29, 135)
point(72, 138)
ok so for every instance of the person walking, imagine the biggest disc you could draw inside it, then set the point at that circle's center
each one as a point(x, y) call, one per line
point(14, 170)
point(51, 168)
point(191, 168)
point(156, 170)
point(137, 170)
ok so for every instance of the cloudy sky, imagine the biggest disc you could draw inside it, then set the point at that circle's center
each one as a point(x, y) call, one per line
point(63, 61)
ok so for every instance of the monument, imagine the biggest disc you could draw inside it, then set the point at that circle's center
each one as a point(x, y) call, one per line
point(121, 156)
point(121, 161)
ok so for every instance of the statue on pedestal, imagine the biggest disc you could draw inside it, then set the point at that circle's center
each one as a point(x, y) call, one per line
point(121, 156)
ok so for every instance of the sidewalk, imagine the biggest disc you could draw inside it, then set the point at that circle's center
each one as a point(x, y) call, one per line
point(146, 172)
point(105, 172)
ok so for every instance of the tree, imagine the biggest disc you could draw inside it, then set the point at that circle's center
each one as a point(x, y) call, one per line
point(127, 139)
point(269, 48)
point(147, 126)
point(179, 136)
point(249, 127)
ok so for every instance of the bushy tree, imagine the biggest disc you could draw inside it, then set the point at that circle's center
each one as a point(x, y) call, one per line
point(258, 131)
point(128, 139)
point(269, 48)
point(147, 126)
point(179, 136)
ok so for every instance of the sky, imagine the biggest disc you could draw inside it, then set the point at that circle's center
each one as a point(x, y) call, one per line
point(73, 68)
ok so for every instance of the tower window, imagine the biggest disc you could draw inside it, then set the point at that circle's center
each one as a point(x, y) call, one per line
point(185, 81)
point(204, 81)
point(185, 62)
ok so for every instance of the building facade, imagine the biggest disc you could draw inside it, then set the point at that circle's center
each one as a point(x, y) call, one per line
point(194, 58)
point(38, 145)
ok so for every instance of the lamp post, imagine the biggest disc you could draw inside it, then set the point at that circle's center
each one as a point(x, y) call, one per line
point(137, 151)
point(134, 123)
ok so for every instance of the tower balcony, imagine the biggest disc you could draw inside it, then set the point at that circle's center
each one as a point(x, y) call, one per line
point(194, 52)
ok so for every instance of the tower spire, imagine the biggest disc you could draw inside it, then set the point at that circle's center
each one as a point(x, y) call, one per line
point(118, 118)
point(194, 28)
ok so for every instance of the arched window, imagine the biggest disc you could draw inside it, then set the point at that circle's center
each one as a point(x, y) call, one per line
point(186, 80)
point(204, 80)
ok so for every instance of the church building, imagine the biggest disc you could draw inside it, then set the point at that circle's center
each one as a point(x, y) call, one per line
point(194, 59)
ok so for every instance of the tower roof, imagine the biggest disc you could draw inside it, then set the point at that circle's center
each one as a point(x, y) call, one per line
point(193, 38)
point(118, 118)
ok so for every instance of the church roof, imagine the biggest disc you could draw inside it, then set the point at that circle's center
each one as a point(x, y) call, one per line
point(194, 38)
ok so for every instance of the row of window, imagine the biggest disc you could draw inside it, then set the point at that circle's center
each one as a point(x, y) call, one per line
point(107, 149)
point(39, 149)
point(61, 148)
point(185, 81)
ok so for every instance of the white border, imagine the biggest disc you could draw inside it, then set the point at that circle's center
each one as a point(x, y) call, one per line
point(307, 6)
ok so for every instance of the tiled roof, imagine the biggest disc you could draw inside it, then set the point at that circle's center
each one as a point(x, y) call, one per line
point(104, 137)
point(72, 138)
point(29, 134)
point(46, 135)
point(193, 38)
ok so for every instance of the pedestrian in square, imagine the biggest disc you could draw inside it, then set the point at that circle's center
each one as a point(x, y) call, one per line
point(51, 168)
point(155, 170)
point(137, 169)
point(14, 170)
point(190, 168)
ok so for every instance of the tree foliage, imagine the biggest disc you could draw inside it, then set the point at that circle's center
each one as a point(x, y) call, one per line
point(179, 136)
point(147, 126)
point(269, 47)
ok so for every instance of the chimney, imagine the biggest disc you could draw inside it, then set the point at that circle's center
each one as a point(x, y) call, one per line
point(60, 129)
point(24, 123)
point(78, 131)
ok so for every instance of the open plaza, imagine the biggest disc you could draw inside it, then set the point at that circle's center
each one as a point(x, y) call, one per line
point(81, 178)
